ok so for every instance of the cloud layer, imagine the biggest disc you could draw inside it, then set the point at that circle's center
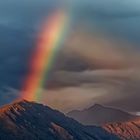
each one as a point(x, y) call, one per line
point(99, 61)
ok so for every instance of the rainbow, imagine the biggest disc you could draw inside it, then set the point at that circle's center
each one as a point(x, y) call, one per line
point(49, 42)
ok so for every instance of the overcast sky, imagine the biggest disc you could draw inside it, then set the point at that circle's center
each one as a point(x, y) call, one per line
point(99, 60)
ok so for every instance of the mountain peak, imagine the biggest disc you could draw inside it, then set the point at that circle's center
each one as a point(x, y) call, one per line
point(24, 101)
point(98, 106)
point(20, 106)
point(29, 120)
point(95, 107)
point(100, 115)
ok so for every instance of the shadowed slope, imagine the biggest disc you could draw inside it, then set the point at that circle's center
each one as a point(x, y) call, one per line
point(25, 120)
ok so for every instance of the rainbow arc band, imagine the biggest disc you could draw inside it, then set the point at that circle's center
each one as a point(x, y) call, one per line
point(49, 42)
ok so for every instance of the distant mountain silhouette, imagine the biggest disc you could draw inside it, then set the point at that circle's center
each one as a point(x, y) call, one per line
point(25, 120)
point(129, 130)
point(100, 115)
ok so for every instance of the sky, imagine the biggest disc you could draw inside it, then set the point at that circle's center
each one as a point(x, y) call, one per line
point(99, 61)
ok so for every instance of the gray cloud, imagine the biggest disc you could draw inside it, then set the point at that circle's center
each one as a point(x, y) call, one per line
point(110, 77)
point(118, 88)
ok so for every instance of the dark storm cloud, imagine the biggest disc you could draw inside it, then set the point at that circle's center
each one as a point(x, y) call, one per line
point(109, 7)
point(63, 79)
point(8, 95)
point(87, 71)
point(118, 18)
point(19, 24)
point(69, 62)
point(91, 12)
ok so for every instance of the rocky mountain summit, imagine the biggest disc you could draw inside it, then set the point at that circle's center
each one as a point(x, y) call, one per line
point(101, 115)
point(23, 120)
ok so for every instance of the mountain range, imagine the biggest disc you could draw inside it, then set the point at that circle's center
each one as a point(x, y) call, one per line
point(120, 123)
point(23, 120)
point(101, 115)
